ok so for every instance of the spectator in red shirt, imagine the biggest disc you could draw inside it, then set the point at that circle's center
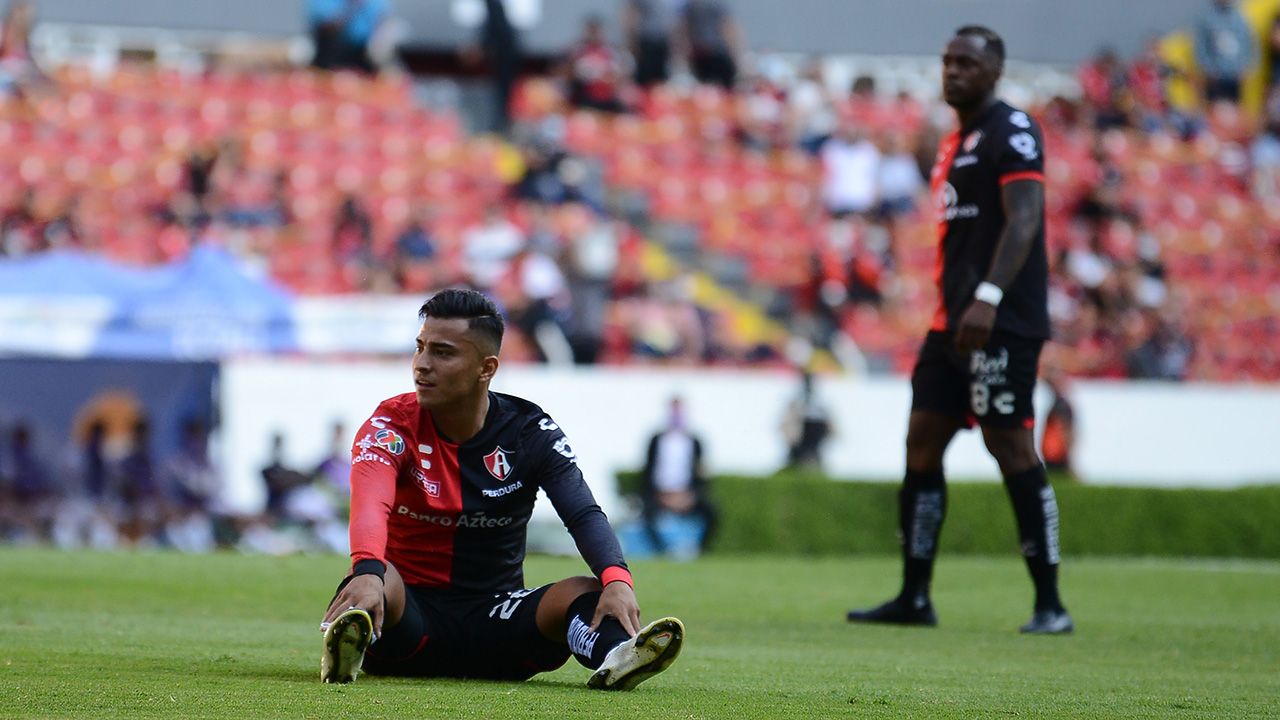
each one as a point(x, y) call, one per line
point(1146, 79)
point(862, 107)
point(1058, 439)
point(19, 74)
point(595, 71)
point(1103, 82)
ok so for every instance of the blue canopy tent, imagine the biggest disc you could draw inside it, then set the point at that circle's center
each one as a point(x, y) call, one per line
point(204, 307)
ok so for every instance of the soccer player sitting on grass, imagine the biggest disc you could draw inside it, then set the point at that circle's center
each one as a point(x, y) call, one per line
point(443, 482)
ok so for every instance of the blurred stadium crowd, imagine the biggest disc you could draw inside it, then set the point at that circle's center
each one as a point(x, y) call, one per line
point(668, 199)
point(630, 219)
point(109, 490)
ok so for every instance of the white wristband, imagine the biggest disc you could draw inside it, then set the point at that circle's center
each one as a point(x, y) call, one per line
point(989, 293)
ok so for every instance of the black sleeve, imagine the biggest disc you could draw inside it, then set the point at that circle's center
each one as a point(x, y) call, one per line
point(1019, 149)
point(558, 474)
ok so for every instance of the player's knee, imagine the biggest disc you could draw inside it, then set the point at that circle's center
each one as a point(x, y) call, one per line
point(928, 435)
point(553, 609)
point(393, 593)
point(924, 451)
point(1012, 451)
point(578, 585)
point(564, 592)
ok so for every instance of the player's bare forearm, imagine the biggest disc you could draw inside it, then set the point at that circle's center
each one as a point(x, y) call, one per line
point(619, 601)
point(1023, 202)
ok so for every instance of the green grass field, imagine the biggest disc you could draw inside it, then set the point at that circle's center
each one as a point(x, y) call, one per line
point(227, 636)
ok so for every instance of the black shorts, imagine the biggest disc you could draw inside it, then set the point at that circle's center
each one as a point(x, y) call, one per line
point(473, 635)
point(992, 388)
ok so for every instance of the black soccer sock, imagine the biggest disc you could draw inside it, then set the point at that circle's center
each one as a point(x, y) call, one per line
point(1036, 508)
point(922, 505)
point(591, 647)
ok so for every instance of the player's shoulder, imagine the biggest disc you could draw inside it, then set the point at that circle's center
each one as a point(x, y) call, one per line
point(517, 409)
point(1007, 119)
point(399, 407)
point(527, 421)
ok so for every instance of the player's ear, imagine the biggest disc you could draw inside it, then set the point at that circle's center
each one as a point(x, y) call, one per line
point(488, 367)
point(996, 66)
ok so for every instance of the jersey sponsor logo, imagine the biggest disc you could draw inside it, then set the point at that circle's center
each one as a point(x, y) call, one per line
point(965, 161)
point(990, 368)
point(432, 487)
point(506, 490)
point(1025, 145)
point(497, 463)
point(480, 520)
point(465, 520)
point(562, 447)
point(989, 371)
point(547, 424)
point(972, 141)
point(366, 456)
point(390, 441)
point(431, 518)
point(948, 202)
point(1018, 118)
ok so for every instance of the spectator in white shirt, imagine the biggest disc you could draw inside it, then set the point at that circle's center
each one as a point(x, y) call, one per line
point(489, 247)
point(850, 173)
point(900, 180)
point(673, 480)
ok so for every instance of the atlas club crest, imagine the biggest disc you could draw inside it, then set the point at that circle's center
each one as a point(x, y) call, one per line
point(497, 463)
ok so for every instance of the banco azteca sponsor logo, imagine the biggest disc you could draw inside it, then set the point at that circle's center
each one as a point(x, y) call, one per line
point(476, 519)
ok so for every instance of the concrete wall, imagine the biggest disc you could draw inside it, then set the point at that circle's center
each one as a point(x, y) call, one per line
point(1036, 30)
point(1129, 433)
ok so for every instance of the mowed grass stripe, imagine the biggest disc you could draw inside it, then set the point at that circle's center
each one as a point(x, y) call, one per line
point(160, 635)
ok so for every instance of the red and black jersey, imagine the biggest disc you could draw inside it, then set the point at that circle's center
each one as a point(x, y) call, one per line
point(455, 516)
point(1002, 146)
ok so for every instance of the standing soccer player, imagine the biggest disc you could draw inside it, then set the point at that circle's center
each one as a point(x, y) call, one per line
point(443, 482)
point(978, 362)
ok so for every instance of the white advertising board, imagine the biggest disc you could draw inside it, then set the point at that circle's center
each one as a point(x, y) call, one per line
point(1128, 433)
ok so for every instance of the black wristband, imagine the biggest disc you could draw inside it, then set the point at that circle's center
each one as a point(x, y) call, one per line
point(370, 567)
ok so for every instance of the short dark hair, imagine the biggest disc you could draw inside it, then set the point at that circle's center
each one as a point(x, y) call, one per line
point(459, 303)
point(992, 42)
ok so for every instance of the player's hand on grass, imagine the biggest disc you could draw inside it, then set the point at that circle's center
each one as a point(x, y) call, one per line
point(364, 592)
point(618, 600)
point(975, 327)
